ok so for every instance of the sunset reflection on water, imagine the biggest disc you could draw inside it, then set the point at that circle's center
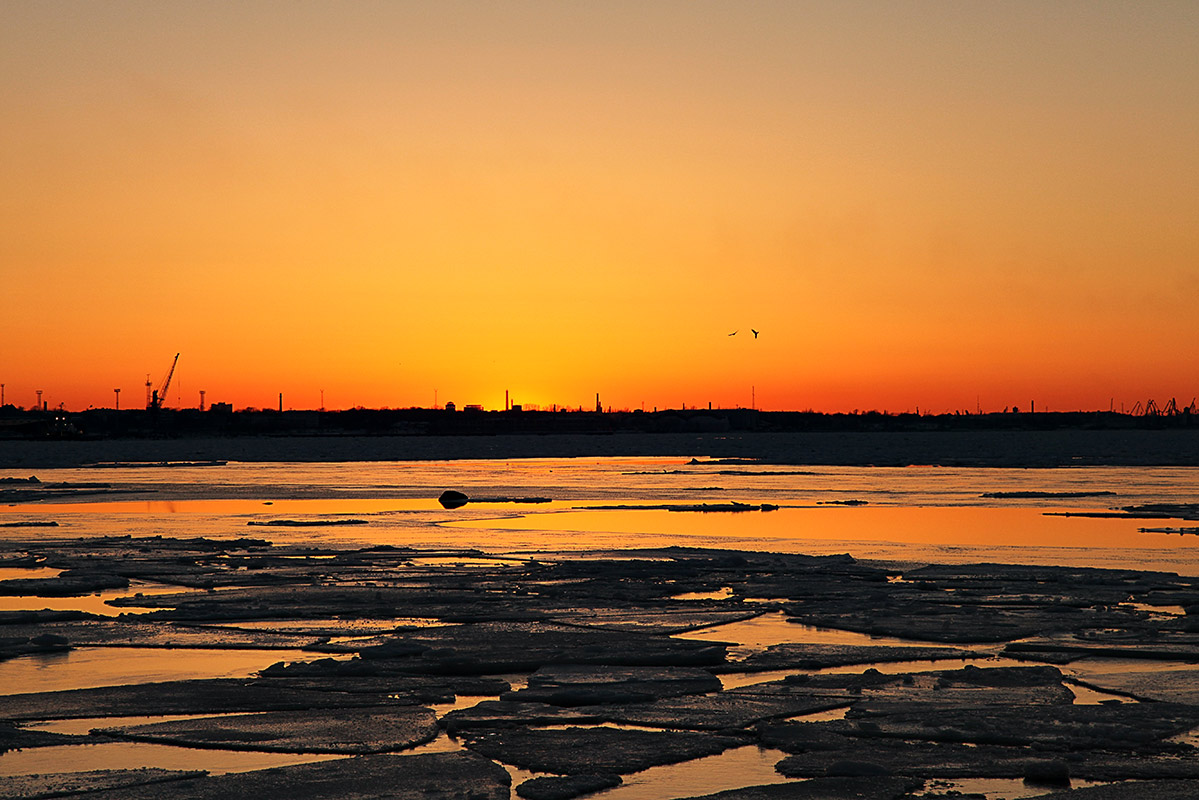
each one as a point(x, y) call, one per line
point(906, 514)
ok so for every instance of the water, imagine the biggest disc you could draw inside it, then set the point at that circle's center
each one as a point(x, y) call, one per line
point(136, 755)
point(632, 479)
point(731, 769)
point(903, 515)
point(89, 667)
point(910, 514)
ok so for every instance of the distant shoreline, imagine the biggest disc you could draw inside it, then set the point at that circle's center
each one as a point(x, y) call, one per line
point(987, 448)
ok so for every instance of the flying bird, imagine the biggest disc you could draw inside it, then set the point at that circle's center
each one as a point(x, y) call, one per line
point(755, 333)
point(734, 333)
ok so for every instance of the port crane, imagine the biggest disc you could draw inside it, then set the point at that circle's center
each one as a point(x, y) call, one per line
point(1170, 409)
point(159, 395)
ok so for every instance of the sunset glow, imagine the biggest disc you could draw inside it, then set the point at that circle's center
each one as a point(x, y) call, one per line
point(935, 205)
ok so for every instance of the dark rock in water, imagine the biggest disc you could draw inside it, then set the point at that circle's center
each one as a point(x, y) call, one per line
point(50, 641)
point(1055, 772)
point(454, 499)
point(554, 788)
point(596, 750)
point(29, 524)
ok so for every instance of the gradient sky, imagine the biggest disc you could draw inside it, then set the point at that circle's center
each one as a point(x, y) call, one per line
point(934, 204)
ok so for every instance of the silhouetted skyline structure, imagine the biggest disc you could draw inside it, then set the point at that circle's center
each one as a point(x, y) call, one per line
point(220, 419)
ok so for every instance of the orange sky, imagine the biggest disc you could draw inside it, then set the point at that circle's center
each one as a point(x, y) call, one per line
point(934, 204)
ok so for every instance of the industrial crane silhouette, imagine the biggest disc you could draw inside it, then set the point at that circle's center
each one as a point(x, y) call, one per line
point(156, 397)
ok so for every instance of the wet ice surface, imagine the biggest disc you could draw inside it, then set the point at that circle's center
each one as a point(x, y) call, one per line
point(28, 572)
point(1085, 695)
point(88, 667)
point(911, 515)
point(134, 755)
point(997, 788)
point(350, 627)
point(774, 628)
point(96, 603)
point(741, 766)
point(82, 725)
point(732, 769)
